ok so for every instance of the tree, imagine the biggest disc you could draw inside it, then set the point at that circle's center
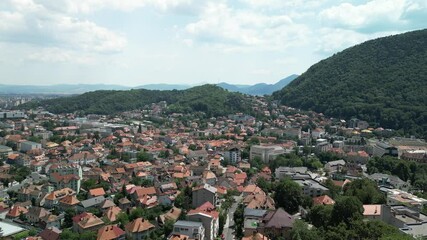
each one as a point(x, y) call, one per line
point(365, 190)
point(68, 217)
point(300, 231)
point(288, 195)
point(320, 215)
point(88, 235)
point(238, 218)
point(347, 209)
point(69, 234)
point(122, 218)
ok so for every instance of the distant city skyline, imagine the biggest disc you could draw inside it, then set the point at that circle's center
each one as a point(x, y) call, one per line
point(139, 42)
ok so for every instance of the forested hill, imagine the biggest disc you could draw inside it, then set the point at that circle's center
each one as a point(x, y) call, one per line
point(210, 99)
point(383, 81)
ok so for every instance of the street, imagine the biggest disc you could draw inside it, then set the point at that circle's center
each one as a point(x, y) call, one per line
point(228, 231)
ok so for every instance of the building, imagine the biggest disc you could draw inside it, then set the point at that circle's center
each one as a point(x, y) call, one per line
point(373, 211)
point(28, 145)
point(399, 197)
point(277, 224)
point(207, 215)
point(66, 176)
point(138, 229)
point(12, 115)
point(233, 154)
point(5, 151)
point(335, 166)
point(312, 187)
point(111, 232)
point(203, 194)
point(194, 230)
point(266, 153)
point(86, 222)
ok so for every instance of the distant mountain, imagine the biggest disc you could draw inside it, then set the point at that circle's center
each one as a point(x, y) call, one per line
point(382, 81)
point(57, 89)
point(260, 88)
point(162, 86)
point(210, 99)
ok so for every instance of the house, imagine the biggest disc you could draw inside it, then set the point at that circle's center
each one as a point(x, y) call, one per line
point(51, 233)
point(35, 214)
point(335, 166)
point(96, 192)
point(52, 199)
point(83, 158)
point(323, 200)
point(194, 230)
point(202, 194)
point(372, 211)
point(209, 177)
point(86, 222)
point(390, 181)
point(111, 213)
point(15, 211)
point(252, 189)
point(259, 201)
point(277, 223)
point(256, 236)
point(111, 232)
point(209, 217)
point(138, 229)
point(172, 215)
point(282, 172)
point(68, 202)
point(90, 203)
point(312, 187)
point(66, 175)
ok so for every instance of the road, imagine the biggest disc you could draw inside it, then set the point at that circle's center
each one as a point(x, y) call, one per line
point(228, 231)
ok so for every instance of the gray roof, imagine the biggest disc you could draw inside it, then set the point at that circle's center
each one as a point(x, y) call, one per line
point(188, 223)
point(92, 201)
point(310, 182)
point(254, 212)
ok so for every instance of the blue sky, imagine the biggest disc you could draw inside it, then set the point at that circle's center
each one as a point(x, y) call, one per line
point(135, 42)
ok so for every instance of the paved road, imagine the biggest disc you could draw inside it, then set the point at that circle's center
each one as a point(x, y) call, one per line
point(228, 231)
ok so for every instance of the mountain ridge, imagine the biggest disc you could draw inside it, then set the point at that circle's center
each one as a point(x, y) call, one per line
point(382, 81)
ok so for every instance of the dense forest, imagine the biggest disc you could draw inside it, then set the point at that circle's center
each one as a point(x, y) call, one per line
point(210, 99)
point(382, 81)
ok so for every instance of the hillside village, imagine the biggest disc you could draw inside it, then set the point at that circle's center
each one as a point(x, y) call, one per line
point(144, 174)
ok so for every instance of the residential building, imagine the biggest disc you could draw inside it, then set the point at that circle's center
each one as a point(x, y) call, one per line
point(111, 232)
point(28, 145)
point(312, 187)
point(194, 230)
point(233, 154)
point(86, 222)
point(202, 194)
point(138, 229)
point(207, 215)
point(66, 176)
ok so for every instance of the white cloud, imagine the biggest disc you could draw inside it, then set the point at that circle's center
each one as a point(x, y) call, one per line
point(89, 6)
point(231, 29)
point(57, 55)
point(55, 36)
point(372, 16)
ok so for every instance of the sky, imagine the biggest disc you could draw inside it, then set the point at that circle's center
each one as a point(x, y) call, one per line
point(137, 42)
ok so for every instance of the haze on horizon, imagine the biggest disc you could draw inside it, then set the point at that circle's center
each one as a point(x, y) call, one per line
point(137, 42)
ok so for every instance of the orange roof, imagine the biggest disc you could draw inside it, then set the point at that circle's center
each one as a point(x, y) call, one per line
point(372, 210)
point(323, 200)
point(110, 232)
point(69, 200)
point(15, 211)
point(207, 208)
point(96, 192)
point(139, 225)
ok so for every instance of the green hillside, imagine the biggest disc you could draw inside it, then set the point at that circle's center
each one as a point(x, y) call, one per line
point(383, 81)
point(210, 99)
